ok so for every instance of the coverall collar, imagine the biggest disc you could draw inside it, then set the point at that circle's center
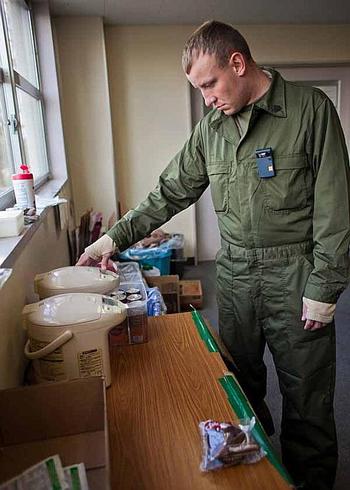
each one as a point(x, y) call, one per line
point(273, 102)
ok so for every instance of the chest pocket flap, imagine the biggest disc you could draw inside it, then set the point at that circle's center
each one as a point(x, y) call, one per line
point(291, 187)
point(219, 173)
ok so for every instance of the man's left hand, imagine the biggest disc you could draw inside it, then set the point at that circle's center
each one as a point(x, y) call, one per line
point(311, 324)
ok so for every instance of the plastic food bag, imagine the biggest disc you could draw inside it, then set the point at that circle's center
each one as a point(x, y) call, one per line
point(226, 444)
point(155, 302)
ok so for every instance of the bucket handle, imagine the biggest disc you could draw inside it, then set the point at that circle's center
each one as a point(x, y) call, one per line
point(49, 348)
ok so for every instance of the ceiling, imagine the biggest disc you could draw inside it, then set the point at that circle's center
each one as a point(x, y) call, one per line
point(193, 12)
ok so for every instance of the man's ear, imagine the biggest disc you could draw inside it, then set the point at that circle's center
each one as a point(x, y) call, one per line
point(238, 63)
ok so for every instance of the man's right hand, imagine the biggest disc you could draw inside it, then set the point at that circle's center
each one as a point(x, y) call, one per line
point(86, 260)
point(99, 251)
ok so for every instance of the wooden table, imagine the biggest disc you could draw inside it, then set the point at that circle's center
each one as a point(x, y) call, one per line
point(160, 392)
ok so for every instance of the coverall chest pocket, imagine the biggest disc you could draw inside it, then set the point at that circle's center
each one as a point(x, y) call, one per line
point(219, 173)
point(291, 187)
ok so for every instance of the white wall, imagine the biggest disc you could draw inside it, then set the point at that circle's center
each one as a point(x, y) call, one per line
point(298, 44)
point(80, 51)
point(150, 111)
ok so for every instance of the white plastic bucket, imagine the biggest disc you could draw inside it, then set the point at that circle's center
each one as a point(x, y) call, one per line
point(68, 335)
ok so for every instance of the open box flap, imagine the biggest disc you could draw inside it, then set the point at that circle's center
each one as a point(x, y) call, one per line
point(51, 410)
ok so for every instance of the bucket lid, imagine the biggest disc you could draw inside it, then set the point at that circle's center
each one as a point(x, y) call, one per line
point(24, 174)
point(76, 279)
point(70, 309)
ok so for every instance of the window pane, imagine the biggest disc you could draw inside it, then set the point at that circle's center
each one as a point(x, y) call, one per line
point(33, 134)
point(5, 162)
point(21, 40)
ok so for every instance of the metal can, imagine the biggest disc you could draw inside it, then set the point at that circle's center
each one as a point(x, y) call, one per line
point(119, 295)
point(132, 291)
point(133, 297)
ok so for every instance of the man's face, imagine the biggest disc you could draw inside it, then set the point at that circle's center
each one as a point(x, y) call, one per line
point(222, 88)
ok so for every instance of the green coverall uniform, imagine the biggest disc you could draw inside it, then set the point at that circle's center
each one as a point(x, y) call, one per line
point(283, 238)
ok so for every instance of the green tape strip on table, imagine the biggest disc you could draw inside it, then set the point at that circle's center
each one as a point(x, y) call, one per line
point(243, 410)
point(239, 401)
point(203, 331)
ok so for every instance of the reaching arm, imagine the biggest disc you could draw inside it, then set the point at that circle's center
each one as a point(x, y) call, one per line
point(180, 185)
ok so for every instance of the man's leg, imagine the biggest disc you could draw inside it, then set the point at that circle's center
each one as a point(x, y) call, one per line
point(241, 332)
point(305, 363)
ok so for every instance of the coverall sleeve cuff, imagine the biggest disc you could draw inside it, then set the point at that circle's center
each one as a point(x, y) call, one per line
point(102, 246)
point(320, 312)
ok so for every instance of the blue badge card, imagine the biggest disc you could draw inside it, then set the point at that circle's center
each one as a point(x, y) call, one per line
point(264, 162)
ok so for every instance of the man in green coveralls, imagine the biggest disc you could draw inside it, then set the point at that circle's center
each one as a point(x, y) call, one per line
point(274, 155)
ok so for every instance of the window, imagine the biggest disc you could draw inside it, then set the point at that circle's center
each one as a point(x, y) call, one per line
point(22, 129)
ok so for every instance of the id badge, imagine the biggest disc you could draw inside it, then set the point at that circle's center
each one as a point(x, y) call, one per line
point(264, 162)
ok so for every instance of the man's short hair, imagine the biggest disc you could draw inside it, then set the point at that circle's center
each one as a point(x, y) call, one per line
point(217, 38)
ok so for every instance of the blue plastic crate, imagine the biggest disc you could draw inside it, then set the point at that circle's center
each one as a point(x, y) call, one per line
point(156, 257)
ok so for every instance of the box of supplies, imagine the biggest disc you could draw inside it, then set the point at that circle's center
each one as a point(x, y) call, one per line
point(190, 294)
point(169, 288)
point(66, 418)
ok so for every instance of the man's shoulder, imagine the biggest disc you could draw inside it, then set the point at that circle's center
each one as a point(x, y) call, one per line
point(207, 122)
point(302, 90)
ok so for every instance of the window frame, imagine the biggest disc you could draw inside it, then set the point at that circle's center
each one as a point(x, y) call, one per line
point(16, 81)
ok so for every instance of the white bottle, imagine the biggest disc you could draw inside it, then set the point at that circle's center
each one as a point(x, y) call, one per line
point(23, 185)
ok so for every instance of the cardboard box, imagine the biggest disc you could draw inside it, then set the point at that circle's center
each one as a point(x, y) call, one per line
point(190, 294)
point(66, 418)
point(169, 287)
point(134, 329)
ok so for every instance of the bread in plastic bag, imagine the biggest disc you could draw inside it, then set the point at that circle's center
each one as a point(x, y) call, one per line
point(226, 444)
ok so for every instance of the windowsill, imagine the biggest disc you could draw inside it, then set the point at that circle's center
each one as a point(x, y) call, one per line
point(12, 247)
point(51, 188)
